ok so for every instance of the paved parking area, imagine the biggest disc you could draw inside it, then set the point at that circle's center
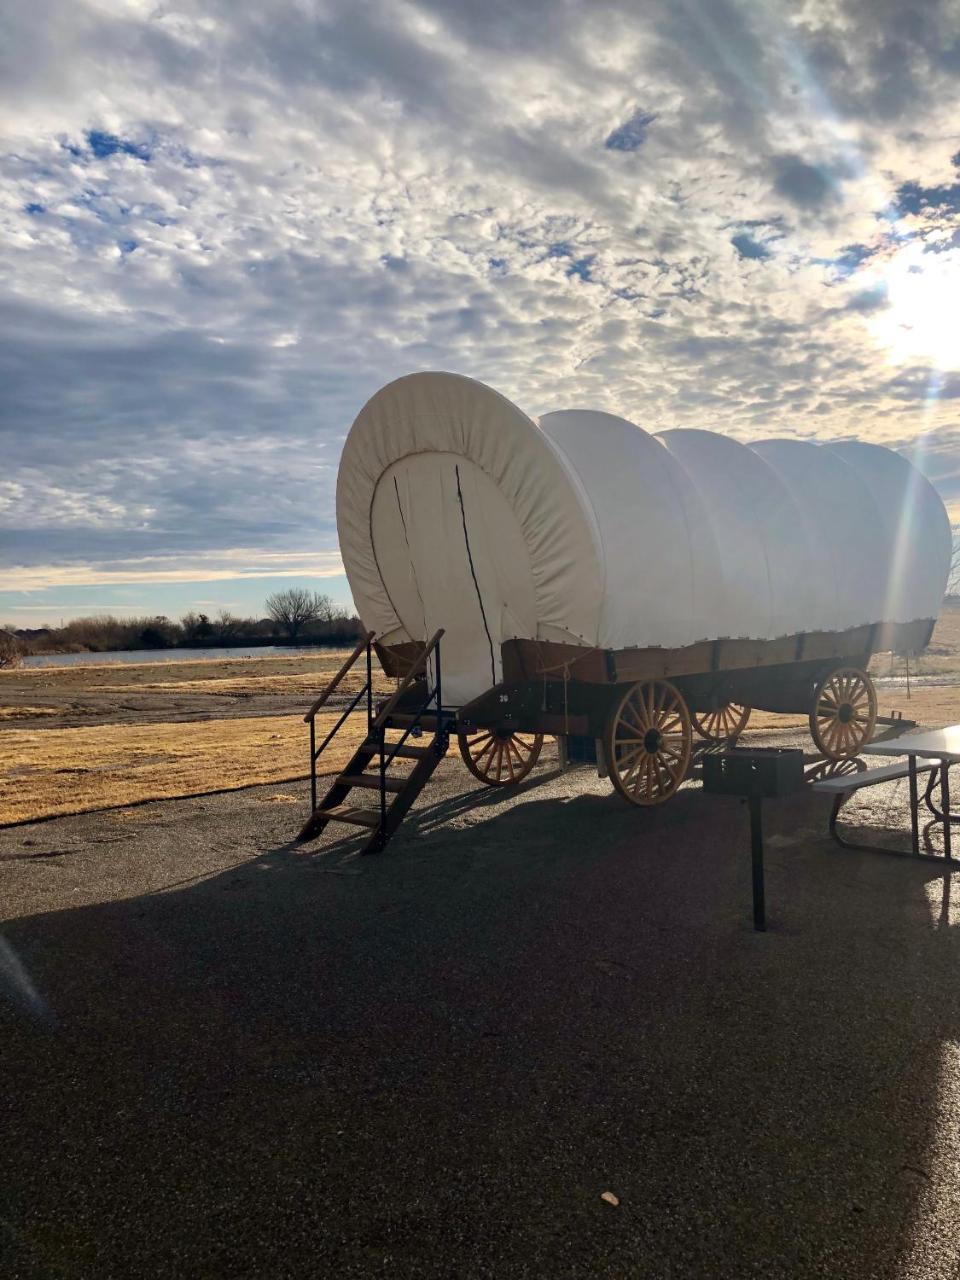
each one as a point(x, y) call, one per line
point(225, 1056)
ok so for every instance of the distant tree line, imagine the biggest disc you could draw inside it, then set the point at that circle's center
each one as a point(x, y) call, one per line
point(294, 616)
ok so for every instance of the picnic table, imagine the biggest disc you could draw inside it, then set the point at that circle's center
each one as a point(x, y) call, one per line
point(931, 753)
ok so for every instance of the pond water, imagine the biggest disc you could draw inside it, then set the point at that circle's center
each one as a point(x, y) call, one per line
point(168, 655)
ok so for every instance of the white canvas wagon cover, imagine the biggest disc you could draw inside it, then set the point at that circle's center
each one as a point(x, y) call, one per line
point(456, 510)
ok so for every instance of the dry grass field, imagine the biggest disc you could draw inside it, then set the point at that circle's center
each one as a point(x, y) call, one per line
point(86, 737)
point(27, 713)
point(155, 692)
point(301, 673)
point(74, 770)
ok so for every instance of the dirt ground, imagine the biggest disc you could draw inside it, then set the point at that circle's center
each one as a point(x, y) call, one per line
point(224, 1055)
point(158, 692)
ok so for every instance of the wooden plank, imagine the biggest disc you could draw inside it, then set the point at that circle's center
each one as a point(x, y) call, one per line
point(350, 814)
point(560, 724)
point(397, 659)
point(538, 660)
point(371, 781)
point(630, 665)
point(868, 778)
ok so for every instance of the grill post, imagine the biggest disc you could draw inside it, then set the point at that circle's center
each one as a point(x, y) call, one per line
point(313, 766)
point(754, 773)
point(436, 655)
point(383, 781)
point(756, 851)
point(369, 690)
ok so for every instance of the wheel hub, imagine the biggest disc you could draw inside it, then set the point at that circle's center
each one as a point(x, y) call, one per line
point(652, 741)
point(845, 713)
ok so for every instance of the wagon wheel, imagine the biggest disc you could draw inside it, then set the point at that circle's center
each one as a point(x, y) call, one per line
point(722, 724)
point(844, 712)
point(648, 741)
point(499, 757)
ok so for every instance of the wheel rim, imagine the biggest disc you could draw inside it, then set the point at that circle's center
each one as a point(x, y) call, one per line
point(844, 713)
point(649, 741)
point(500, 758)
point(722, 724)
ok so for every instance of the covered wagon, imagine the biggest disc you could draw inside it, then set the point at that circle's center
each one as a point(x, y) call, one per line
point(593, 580)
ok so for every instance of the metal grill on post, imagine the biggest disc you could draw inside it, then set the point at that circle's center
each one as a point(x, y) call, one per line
point(755, 774)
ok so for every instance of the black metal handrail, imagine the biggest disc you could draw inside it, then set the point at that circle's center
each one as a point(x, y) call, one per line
point(362, 645)
point(378, 724)
point(311, 715)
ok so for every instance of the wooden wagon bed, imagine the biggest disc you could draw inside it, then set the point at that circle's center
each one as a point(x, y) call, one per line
point(531, 660)
point(640, 706)
point(630, 701)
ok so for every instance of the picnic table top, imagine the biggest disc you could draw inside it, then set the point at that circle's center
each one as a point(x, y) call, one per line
point(942, 743)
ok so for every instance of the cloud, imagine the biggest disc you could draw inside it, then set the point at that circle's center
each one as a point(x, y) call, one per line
point(804, 184)
point(226, 226)
point(871, 299)
point(227, 563)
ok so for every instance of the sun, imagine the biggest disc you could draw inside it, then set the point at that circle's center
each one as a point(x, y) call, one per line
point(921, 320)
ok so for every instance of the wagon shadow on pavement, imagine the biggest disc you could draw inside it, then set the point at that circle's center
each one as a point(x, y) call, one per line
point(443, 1060)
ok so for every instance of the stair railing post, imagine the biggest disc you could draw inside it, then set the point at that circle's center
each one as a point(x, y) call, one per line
point(369, 690)
point(438, 736)
point(382, 735)
point(313, 766)
point(439, 694)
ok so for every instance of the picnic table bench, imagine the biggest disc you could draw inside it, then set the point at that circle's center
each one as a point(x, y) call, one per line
point(926, 753)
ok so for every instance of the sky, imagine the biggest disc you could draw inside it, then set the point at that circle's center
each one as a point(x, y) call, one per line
point(224, 226)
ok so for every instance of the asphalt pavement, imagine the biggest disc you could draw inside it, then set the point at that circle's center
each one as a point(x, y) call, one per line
point(224, 1056)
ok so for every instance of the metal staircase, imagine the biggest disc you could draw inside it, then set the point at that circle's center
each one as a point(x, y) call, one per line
point(412, 710)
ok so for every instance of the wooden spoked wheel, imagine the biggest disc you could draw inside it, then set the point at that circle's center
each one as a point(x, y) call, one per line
point(844, 713)
point(648, 742)
point(498, 757)
point(722, 724)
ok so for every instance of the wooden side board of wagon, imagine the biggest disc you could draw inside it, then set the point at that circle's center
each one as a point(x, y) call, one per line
point(531, 659)
point(643, 706)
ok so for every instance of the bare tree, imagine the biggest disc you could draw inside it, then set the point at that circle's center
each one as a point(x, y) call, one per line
point(227, 626)
point(294, 608)
point(10, 652)
point(196, 628)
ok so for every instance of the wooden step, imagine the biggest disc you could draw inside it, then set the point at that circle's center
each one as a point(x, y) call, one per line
point(402, 720)
point(371, 781)
point(354, 816)
point(406, 752)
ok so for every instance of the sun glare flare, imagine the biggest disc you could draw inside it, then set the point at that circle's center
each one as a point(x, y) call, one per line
point(921, 316)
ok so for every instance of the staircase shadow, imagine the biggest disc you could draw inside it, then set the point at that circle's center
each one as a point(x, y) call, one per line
point(426, 819)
